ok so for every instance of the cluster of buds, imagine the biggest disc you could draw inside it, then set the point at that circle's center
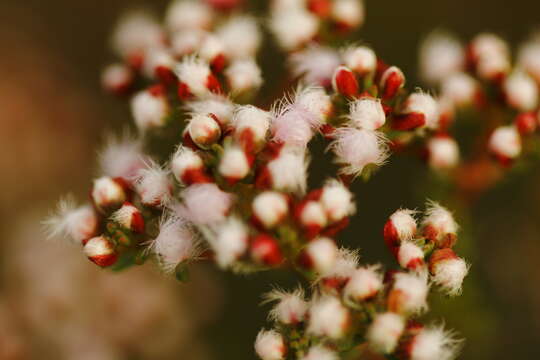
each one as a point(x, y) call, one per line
point(352, 300)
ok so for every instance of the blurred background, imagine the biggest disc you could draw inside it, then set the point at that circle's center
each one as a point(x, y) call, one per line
point(54, 304)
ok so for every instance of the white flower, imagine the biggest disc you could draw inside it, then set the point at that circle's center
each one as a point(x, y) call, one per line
point(240, 36)
point(195, 74)
point(360, 59)
point(441, 55)
point(355, 149)
point(367, 113)
point(365, 282)
point(337, 201)
point(270, 345)
point(425, 104)
point(188, 14)
point(327, 317)
point(204, 204)
point(410, 256)
point(411, 293)
point(448, 271)
point(204, 129)
point(322, 254)
point(229, 241)
point(234, 163)
point(155, 58)
point(529, 58)
point(459, 88)
point(184, 160)
point(175, 243)
point(73, 222)
point(443, 152)
point(384, 332)
point(149, 110)
point(288, 171)
point(290, 308)
point(434, 343)
point(505, 142)
point(243, 75)
point(153, 185)
point(345, 265)
point(404, 223)
point(121, 157)
point(348, 12)
point(521, 91)
point(136, 31)
point(252, 119)
point(187, 42)
point(220, 106)
point(270, 208)
point(439, 220)
point(313, 214)
point(293, 27)
point(117, 78)
point(315, 64)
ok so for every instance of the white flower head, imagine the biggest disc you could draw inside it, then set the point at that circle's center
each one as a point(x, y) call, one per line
point(293, 27)
point(328, 317)
point(505, 141)
point(270, 207)
point(234, 163)
point(439, 219)
point(355, 149)
point(443, 152)
point(204, 204)
point(220, 106)
point(521, 91)
point(187, 42)
point(425, 104)
point(384, 332)
point(449, 274)
point(434, 343)
point(188, 14)
point(249, 117)
point(135, 32)
point(153, 184)
point(240, 36)
point(337, 200)
point(290, 307)
point(315, 64)
point(270, 345)
point(367, 113)
point(229, 241)
point(175, 243)
point(360, 59)
point(441, 55)
point(459, 88)
point(76, 223)
point(345, 265)
point(350, 13)
point(529, 58)
point(289, 170)
point(149, 110)
point(404, 222)
point(322, 254)
point(320, 352)
point(243, 75)
point(365, 282)
point(412, 293)
point(194, 73)
point(122, 156)
point(184, 160)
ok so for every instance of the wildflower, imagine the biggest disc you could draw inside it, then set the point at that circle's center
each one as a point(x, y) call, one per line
point(328, 317)
point(290, 307)
point(408, 294)
point(196, 79)
point(344, 82)
point(432, 343)
point(153, 185)
point(175, 243)
point(293, 27)
point(188, 14)
point(270, 345)
point(240, 36)
point(443, 152)
point(441, 56)
point(288, 172)
point(188, 167)
point(384, 332)
point(367, 113)
point(360, 59)
point(365, 283)
point(251, 124)
point(315, 64)
point(270, 208)
point(392, 81)
point(401, 226)
point(448, 270)
point(78, 223)
point(204, 204)
point(221, 107)
point(337, 201)
point(129, 217)
point(243, 76)
point(355, 149)
point(344, 267)
point(204, 129)
point(410, 256)
point(265, 250)
point(100, 251)
point(108, 193)
point(439, 225)
point(419, 110)
point(505, 143)
point(234, 164)
point(149, 109)
point(230, 241)
point(521, 91)
point(320, 255)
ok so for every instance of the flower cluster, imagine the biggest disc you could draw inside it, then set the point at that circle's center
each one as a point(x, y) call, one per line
point(350, 301)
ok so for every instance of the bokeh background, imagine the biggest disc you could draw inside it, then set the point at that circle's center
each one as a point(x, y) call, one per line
point(56, 305)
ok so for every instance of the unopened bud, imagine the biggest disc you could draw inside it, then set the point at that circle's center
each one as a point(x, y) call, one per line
point(188, 167)
point(313, 216)
point(448, 270)
point(129, 217)
point(270, 345)
point(344, 82)
point(505, 143)
point(364, 284)
point(234, 164)
point(108, 193)
point(265, 249)
point(360, 59)
point(400, 226)
point(521, 91)
point(204, 130)
point(100, 251)
point(320, 255)
point(419, 110)
point(328, 317)
point(270, 208)
point(410, 256)
point(117, 78)
point(443, 152)
point(439, 225)
point(384, 332)
point(337, 201)
point(392, 81)
point(349, 14)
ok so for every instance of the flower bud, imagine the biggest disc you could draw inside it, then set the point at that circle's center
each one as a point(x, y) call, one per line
point(490, 54)
point(291, 307)
point(288, 172)
point(312, 216)
point(293, 27)
point(337, 201)
point(528, 59)
point(204, 130)
point(505, 144)
point(521, 91)
point(117, 78)
point(410, 256)
point(153, 185)
point(439, 225)
point(344, 82)
point(400, 226)
point(187, 42)
point(364, 284)
point(129, 217)
point(321, 8)
point(320, 255)
point(431, 343)
point(328, 317)
point(149, 109)
point(250, 125)
point(270, 208)
point(219, 106)
point(182, 15)
point(408, 294)
point(270, 345)
point(419, 110)
point(526, 123)
point(315, 64)
point(230, 241)
point(265, 250)
point(243, 76)
point(367, 113)
point(136, 32)
point(234, 164)
point(346, 263)
point(158, 63)
point(443, 152)
point(349, 14)
point(212, 50)
point(196, 79)
point(460, 89)
point(384, 332)
point(392, 81)
point(100, 251)
point(441, 55)
point(204, 204)
point(241, 37)
point(360, 59)
point(448, 270)
point(188, 167)
point(108, 193)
